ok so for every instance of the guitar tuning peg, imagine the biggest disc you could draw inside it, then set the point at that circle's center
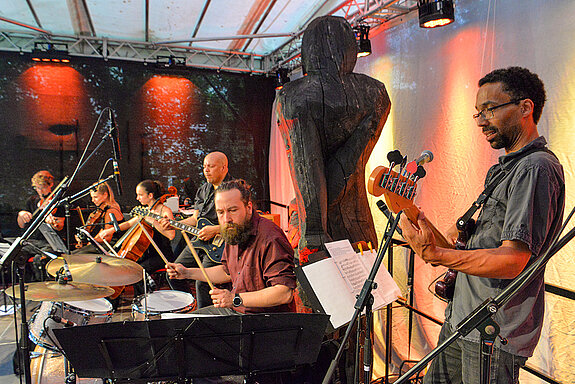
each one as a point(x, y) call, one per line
point(420, 173)
point(394, 157)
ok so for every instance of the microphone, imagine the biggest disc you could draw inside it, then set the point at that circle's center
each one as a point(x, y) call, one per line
point(115, 139)
point(67, 323)
point(425, 157)
point(117, 177)
point(114, 222)
point(383, 208)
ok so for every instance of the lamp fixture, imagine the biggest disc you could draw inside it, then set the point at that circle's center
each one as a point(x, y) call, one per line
point(170, 62)
point(282, 77)
point(435, 13)
point(363, 43)
point(50, 53)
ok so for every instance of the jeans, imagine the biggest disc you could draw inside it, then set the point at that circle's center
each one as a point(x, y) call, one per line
point(460, 363)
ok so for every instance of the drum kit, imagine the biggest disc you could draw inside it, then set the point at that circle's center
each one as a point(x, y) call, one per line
point(76, 298)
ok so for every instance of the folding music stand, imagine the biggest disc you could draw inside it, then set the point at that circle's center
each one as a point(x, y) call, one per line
point(202, 346)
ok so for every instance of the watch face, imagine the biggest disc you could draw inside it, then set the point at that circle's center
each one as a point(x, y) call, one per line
point(237, 300)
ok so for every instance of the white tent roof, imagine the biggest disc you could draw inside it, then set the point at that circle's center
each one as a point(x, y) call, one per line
point(254, 36)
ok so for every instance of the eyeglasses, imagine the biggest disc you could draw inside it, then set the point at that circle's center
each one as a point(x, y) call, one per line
point(487, 114)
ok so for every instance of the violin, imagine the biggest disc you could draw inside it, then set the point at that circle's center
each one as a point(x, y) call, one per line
point(90, 225)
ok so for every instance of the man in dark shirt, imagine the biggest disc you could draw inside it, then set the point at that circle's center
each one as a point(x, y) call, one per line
point(258, 259)
point(42, 182)
point(215, 171)
point(516, 225)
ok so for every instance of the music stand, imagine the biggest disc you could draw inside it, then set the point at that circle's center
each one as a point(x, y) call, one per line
point(199, 346)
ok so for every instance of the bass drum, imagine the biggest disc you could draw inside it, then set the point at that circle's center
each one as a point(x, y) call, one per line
point(162, 302)
point(47, 367)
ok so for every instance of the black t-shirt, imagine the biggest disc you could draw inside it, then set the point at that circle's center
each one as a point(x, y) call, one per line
point(205, 202)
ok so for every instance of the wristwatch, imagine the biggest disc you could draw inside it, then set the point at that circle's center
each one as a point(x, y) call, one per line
point(237, 301)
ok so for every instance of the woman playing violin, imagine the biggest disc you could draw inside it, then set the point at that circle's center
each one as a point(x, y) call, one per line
point(148, 193)
point(99, 220)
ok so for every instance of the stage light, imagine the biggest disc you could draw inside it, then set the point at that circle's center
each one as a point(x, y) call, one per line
point(435, 13)
point(50, 53)
point(170, 62)
point(282, 77)
point(363, 43)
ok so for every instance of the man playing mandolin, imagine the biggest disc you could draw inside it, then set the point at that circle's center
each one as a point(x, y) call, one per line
point(215, 172)
point(516, 224)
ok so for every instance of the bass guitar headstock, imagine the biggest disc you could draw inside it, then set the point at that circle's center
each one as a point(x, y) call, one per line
point(399, 188)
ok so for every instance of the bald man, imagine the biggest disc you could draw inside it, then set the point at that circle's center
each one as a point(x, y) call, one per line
point(215, 172)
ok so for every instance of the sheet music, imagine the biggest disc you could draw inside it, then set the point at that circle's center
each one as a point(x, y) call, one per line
point(345, 258)
point(334, 291)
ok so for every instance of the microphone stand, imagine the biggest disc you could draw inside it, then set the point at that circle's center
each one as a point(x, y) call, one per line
point(364, 300)
point(10, 255)
point(480, 318)
point(16, 247)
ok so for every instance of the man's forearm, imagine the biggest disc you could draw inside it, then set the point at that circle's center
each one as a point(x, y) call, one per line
point(267, 297)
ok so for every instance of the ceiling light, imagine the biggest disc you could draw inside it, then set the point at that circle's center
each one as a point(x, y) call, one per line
point(50, 53)
point(170, 62)
point(363, 43)
point(282, 77)
point(435, 13)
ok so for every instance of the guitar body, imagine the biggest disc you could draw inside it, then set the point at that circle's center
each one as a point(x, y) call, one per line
point(213, 248)
point(445, 288)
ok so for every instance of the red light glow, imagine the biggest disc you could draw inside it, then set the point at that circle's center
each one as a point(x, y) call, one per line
point(53, 96)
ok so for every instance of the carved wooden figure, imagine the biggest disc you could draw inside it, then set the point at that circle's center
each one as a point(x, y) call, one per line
point(330, 121)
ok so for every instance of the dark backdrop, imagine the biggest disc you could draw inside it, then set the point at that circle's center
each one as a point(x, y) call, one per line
point(168, 121)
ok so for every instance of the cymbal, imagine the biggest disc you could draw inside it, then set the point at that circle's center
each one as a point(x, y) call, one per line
point(54, 291)
point(98, 269)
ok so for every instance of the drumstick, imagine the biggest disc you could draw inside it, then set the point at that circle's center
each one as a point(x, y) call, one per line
point(153, 242)
point(110, 248)
point(197, 258)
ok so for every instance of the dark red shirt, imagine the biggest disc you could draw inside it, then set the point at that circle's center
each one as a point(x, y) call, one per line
point(264, 261)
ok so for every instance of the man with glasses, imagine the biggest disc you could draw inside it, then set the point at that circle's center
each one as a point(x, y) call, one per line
point(516, 225)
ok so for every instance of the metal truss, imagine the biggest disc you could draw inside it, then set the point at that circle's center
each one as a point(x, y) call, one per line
point(375, 13)
point(111, 49)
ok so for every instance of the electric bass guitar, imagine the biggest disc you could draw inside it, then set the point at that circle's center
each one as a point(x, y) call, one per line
point(214, 248)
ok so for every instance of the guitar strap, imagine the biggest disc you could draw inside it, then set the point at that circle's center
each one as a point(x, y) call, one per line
point(463, 220)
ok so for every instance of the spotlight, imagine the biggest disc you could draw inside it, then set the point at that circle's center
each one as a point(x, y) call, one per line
point(363, 43)
point(282, 77)
point(50, 53)
point(170, 62)
point(435, 13)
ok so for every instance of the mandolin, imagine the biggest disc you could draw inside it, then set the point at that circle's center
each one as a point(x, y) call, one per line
point(214, 248)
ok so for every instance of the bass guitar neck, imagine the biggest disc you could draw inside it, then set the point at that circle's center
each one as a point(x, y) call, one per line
point(214, 248)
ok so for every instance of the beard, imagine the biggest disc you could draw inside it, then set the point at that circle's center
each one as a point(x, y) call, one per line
point(235, 234)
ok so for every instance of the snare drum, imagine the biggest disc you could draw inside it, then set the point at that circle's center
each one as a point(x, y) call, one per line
point(160, 302)
point(86, 312)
